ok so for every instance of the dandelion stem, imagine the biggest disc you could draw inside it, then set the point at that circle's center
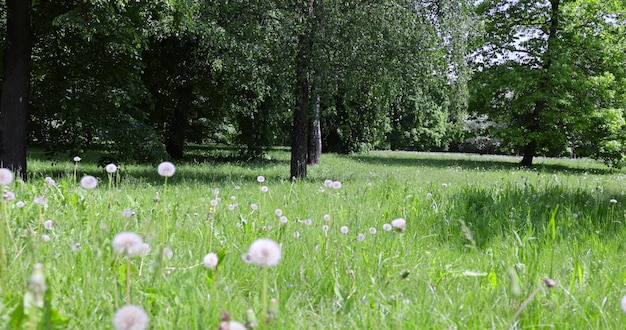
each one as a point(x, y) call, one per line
point(264, 301)
point(127, 280)
point(526, 302)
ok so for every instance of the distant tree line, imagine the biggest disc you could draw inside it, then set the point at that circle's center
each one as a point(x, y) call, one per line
point(142, 79)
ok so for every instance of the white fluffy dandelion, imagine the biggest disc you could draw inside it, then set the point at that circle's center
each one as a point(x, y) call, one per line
point(263, 252)
point(264, 189)
point(336, 185)
point(210, 260)
point(344, 229)
point(130, 317)
point(278, 212)
point(373, 231)
point(6, 176)
point(260, 178)
point(623, 304)
point(89, 182)
point(77, 159)
point(110, 168)
point(166, 169)
point(48, 224)
point(127, 243)
point(387, 227)
point(399, 224)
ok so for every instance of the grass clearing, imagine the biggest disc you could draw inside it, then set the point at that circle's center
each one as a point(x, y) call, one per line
point(481, 237)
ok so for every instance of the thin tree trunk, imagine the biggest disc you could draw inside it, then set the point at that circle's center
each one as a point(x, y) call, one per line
point(300, 135)
point(14, 102)
point(315, 136)
point(529, 152)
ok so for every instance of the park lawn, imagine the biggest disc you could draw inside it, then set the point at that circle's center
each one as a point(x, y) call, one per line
point(487, 245)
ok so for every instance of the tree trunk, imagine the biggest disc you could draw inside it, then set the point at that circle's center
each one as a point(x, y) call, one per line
point(315, 136)
point(529, 152)
point(300, 135)
point(14, 102)
point(175, 142)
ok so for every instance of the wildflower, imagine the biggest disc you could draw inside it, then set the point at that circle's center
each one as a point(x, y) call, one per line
point(387, 227)
point(254, 206)
point(283, 220)
point(372, 230)
point(296, 234)
point(127, 213)
point(613, 201)
point(260, 178)
point(336, 185)
point(214, 202)
point(307, 222)
point(45, 238)
point(130, 317)
point(278, 212)
point(231, 206)
point(48, 224)
point(264, 189)
point(88, 182)
point(327, 217)
point(77, 159)
point(166, 169)
point(233, 198)
point(8, 195)
point(168, 253)
point(429, 195)
point(110, 168)
point(263, 252)
point(41, 201)
point(127, 243)
point(216, 191)
point(49, 181)
point(344, 229)
point(444, 185)
point(360, 237)
point(328, 183)
point(210, 260)
point(20, 204)
point(399, 224)
point(6, 176)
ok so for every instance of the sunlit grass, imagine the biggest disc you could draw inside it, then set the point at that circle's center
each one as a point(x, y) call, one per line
point(477, 226)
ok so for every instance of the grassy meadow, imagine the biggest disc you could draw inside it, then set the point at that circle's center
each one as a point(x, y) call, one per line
point(487, 245)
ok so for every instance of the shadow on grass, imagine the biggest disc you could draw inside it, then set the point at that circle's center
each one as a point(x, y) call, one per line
point(470, 161)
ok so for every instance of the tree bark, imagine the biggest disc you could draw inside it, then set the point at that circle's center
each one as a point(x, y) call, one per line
point(300, 134)
point(14, 103)
point(529, 152)
point(315, 136)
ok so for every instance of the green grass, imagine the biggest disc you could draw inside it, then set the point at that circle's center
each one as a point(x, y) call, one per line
point(482, 235)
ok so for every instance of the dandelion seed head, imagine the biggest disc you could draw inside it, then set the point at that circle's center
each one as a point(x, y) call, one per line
point(127, 213)
point(429, 195)
point(387, 227)
point(263, 252)
point(45, 238)
point(210, 260)
point(214, 202)
point(360, 237)
point(328, 183)
point(307, 222)
point(327, 217)
point(296, 234)
point(264, 189)
point(372, 230)
point(278, 212)
point(168, 253)
point(8, 195)
point(110, 168)
point(283, 219)
point(260, 178)
point(145, 249)
point(336, 185)
point(127, 243)
point(130, 317)
point(613, 201)
point(344, 229)
point(20, 204)
point(48, 224)
point(325, 228)
point(6, 176)
point(40, 200)
point(166, 169)
point(623, 304)
point(89, 182)
point(231, 207)
point(77, 159)
point(49, 181)
point(399, 224)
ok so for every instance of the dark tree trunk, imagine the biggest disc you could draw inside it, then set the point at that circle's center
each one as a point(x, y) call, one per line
point(315, 135)
point(175, 142)
point(300, 135)
point(14, 103)
point(529, 152)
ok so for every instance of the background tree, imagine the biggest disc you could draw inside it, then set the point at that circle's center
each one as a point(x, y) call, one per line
point(14, 103)
point(551, 72)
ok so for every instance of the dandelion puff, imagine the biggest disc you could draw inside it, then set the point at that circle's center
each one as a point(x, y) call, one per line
point(336, 185)
point(328, 183)
point(8, 195)
point(263, 252)
point(283, 220)
point(260, 178)
point(307, 222)
point(89, 182)
point(387, 227)
point(45, 238)
point(127, 243)
point(325, 228)
point(6, 176)
point(231, 325)
point(444, 185)
point(49, 181)
point(127, 213)
point(110, 168)
point(168, 253)
point(399, 224)
point(254, 206)
point(278, 212)
point(77, 159)
point(373, 231)
point(344, 229)
point(264, 189)
point(166, 169)
point(429, 195)
point(210, 260)
point(231, 207)
point(130, 317)
point(623, 304)
point(145, 249)
point(41, 201)
point(48, 224)
point(20, 204)
point(296, 234)
point(360, 237)
point(327, 217)
point(613, 201)
point(214, 202)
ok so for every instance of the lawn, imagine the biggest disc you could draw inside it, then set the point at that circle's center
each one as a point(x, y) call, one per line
point(487, 245)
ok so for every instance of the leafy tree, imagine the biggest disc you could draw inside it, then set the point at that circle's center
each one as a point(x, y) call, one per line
point(552, 72)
